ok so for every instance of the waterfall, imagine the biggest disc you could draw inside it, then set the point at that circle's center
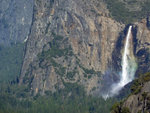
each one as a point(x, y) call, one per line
point(126, 77)
point(128, 66)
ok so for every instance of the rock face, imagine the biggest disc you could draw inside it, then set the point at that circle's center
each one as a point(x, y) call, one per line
point(74, 42)
point(148, 22)
point(140, 101)
point(15, 20)
point(81, 37)
point(142, 49)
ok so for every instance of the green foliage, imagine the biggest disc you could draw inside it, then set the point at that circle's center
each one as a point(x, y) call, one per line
point(10, 61)
point(144, 95)
point(72, 99)
point(60, 70)
point(55, 50)
point(140, 111)
point(57, 37)
point(118, 108)
point(121, 13)
point(146, 77)
point(125, 110)
point(135, 88)
point(146, 8)
point(71, 74)
point(89, 72)
point(138, 83)
point(47, 27)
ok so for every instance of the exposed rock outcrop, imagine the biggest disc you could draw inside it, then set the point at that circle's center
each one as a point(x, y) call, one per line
point(140, 101)
point(142, 47)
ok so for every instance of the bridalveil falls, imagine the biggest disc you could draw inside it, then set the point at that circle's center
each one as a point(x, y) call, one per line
point(127, 72)
point(128, 66)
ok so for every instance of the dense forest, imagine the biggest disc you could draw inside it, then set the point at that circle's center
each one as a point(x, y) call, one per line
point(72, 99)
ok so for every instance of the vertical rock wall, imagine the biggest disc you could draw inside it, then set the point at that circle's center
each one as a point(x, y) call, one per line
point(15, 20)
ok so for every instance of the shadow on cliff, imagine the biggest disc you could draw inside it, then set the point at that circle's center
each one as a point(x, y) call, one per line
point(142, 55)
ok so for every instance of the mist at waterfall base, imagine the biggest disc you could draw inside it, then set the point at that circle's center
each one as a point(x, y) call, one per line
point(113, 86)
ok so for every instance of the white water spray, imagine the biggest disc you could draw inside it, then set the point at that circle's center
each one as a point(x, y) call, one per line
point(126, 78)
point(128, 66)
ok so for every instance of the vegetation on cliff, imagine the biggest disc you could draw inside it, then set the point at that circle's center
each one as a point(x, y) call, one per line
point(142, 96)
point(121, 11)
point(94, 40)
point(138, 83)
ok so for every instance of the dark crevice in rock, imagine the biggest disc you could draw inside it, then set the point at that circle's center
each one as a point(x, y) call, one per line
point(148, 22)
point(116, 55)
point(143, 57)
point(135, 41)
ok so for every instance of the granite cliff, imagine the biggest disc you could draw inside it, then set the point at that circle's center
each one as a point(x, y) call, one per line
point(66, 54)
point(70, 41)
point(15, 20)
point(78, 42)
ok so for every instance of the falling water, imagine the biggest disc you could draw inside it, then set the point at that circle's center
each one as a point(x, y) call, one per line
point(126, 78)
point(128, 66)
